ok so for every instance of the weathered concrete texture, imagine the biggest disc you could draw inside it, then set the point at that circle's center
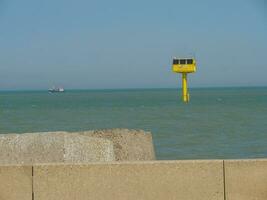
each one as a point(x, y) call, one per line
point(246, 179)
point(82, 149)
point(150, 180)
point(15, 182)
point(53, 147)
point(129, 145)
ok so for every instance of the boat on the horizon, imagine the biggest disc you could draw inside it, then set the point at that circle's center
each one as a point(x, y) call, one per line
point(56, 89)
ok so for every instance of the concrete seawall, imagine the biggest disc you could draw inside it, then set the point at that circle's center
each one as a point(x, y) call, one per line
point(129, 145)
point(77, 147)
point(157, 180)
point(246, 179)
point(53, 147)
point(16, 182)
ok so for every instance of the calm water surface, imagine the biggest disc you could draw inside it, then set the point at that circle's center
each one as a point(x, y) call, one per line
point(217, 123)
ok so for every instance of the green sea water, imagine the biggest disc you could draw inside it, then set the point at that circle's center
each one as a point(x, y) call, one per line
point(217, 123)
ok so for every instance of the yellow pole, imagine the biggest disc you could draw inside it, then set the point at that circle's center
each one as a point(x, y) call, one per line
point(184, 85)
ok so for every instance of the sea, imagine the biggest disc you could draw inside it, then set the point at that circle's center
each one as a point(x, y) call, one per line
point(217, 123)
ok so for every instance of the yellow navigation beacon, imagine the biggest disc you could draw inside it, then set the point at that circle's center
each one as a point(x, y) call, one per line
point(184, 66)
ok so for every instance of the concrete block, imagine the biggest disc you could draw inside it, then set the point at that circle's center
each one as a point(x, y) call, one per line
point(83, 149)
point(129, 145)
point(150, 180)
point(53, 147)
point(31, 148)
point(15, 182)
point(246, 179)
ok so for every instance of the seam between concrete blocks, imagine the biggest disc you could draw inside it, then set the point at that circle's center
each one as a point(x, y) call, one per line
point(32, 184)
point(224, 184)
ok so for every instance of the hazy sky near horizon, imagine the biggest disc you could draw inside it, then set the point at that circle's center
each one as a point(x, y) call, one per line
point(95, 44)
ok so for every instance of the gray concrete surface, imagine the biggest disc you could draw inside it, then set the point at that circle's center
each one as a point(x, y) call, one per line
point(76, 147)
point(129, 145)
point(53, 147)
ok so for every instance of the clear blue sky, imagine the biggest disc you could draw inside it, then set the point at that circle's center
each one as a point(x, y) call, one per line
point(94, 44)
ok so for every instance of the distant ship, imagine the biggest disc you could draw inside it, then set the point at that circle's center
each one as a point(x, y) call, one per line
point(56, 89)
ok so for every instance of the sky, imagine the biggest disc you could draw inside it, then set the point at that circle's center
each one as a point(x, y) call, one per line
point(103, 44)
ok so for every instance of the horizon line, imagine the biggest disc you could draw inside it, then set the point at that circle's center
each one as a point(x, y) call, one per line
point(145, 88)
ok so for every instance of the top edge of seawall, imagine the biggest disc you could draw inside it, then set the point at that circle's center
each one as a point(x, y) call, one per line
point(138, 162)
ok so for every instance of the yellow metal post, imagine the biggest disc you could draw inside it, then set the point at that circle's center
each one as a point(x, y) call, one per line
point(185, 90)
point(184, 66)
